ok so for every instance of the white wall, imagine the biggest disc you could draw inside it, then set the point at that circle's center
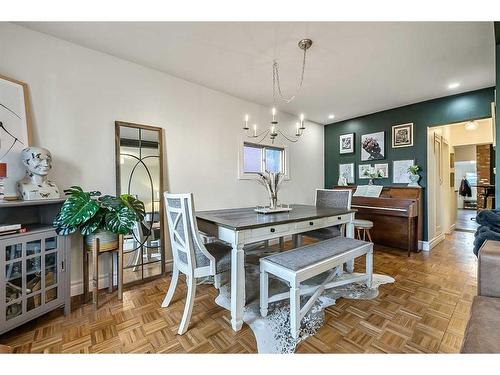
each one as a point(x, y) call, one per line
point(77, 94)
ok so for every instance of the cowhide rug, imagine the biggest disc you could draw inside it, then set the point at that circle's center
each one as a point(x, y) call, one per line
point(273, 332)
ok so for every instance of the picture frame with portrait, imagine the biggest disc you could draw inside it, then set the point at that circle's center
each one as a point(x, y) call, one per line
point(402, 135)
point(373, 146)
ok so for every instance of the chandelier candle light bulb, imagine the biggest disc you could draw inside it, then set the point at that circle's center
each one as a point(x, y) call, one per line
point(246, 122)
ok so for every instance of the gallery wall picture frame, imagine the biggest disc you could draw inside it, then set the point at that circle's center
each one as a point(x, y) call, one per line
point(402, 135)
point(346, 143)
point(15, 129)
point(347, 170)
point(373, 146)
point(361, 170)
point(384, 167)
point(400, 174)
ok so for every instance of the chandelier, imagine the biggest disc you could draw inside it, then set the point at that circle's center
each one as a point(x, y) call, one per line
point(273, 130)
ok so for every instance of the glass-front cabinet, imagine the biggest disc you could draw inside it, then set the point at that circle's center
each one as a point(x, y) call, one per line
point(32, 276)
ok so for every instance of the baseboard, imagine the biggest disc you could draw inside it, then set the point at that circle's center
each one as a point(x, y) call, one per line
point(77, 286)
point(452, 228)
point(428, 245)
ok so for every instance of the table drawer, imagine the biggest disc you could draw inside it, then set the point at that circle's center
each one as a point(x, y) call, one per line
point(333, 220)
point(270, 230)
point(311, 224)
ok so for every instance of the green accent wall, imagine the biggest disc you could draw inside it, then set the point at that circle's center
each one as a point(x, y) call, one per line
point(442, 111)
point(497, 157)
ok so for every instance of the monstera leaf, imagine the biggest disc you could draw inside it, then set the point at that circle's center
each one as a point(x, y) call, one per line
point(93, 223)
point(78, 208)
point(62, 229)
point(135, 205)
point(120, 222)
point(111, 203)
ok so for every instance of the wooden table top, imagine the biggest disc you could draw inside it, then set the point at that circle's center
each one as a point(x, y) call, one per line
point(247, 218)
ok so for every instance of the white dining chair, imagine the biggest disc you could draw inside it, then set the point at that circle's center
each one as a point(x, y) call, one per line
point(190, 256)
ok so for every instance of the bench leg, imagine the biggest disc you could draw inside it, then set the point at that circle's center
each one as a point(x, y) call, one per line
point(264, 291)
point(369, 268)
point(295, 309)
point(217, 280)
point(350, 266)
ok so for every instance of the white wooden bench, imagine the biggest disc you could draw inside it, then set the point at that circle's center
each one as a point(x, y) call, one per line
point(300, 264)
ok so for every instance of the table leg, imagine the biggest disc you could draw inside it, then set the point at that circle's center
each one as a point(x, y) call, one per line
point(95, 273)
point(85, 273)
point(120, 267)
point(237, 285)
point(110, 271)
point(349, 233)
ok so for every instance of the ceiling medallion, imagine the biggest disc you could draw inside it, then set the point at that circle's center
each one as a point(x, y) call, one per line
point(273, 130)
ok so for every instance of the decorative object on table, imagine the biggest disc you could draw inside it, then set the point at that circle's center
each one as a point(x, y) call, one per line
point(36, 185)
point(100, 219)
point(346, 145)
point(273, 130)
point(402, 135)
point(3, 175)
point(400, 174)
point(346, 174)
point(271, 181)
point(384, 169)
point(373, 146)
point(413, 175)
point(15, 128)
point(373, 173)
point(363, 170)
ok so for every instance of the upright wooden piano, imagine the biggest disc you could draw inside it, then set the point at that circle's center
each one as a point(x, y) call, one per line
point(397, 215)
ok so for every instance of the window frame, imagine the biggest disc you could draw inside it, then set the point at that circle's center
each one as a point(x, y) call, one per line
point(242, 175)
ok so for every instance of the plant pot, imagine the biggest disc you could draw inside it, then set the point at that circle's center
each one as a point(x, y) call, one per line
point(107, 240)
point(414, 180)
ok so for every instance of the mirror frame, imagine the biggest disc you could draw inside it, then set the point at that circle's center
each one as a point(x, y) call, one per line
point(118, 125)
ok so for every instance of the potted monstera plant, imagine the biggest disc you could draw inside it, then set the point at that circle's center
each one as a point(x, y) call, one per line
point(98, 216)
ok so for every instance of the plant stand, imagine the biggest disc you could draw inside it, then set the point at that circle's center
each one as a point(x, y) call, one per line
point(95, 252)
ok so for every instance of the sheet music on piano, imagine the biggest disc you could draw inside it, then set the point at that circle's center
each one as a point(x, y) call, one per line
point(372, 191)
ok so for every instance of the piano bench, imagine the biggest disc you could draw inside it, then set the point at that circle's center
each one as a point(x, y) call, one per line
point(302, 263)
point(365, 226)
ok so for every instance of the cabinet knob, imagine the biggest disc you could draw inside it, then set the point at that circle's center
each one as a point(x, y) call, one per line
point(273, 230)
point(340, 218)
point(311, 223)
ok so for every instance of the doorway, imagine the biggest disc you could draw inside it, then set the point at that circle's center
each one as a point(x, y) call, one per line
point(461, 176)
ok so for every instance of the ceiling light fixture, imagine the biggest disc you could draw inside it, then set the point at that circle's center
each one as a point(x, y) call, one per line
point(471, 125)
point(273, 130)
point(453, 85)
point(331, 117)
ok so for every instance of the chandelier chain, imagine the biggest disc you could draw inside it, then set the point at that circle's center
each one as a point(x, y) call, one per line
point(277, 85)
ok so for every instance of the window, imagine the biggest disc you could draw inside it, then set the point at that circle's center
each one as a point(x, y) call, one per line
point(257, 158)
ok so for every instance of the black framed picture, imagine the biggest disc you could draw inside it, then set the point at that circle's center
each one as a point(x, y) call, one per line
point(402, 135)
point(347, 143)
point(373, 146)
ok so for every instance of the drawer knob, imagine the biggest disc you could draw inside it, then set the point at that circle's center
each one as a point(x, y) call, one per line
point(311, 223)
point(340, 218)
point(273, 230)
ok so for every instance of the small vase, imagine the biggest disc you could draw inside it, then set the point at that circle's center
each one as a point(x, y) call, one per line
point(370, 181)
point(414, 180)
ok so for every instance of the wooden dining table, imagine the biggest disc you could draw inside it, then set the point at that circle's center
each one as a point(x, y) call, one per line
point(242, 226)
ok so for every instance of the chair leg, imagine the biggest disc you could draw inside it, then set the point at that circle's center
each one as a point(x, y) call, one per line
point(295, 310)
point(217, 280)
point(364, 234)
point(188, 309)
point(264, 291)
point(171, 288)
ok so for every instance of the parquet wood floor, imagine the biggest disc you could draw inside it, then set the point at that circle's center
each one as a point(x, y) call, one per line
point(424, 311)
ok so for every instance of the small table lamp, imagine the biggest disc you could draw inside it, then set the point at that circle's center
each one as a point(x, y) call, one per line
point(3, 174)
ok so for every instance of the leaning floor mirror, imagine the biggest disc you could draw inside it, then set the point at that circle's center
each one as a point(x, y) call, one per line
point(139, 172)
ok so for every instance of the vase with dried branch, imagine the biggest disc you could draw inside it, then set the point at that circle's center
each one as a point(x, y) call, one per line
point(271, 182)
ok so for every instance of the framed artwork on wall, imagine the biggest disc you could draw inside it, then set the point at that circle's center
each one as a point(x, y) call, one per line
point(400, 174)
point(373, 146)
point(402, 135)
point(364, 168)
point(346, 143)
point(383, 168)
point(15, 129)
point(347, 171)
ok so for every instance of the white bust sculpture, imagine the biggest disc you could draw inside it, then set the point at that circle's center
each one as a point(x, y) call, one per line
point(36, 185)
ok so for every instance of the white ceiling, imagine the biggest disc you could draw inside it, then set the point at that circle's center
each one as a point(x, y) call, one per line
point(353, 68)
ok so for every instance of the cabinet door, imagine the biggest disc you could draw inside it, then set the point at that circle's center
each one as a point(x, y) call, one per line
point(31, 275)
